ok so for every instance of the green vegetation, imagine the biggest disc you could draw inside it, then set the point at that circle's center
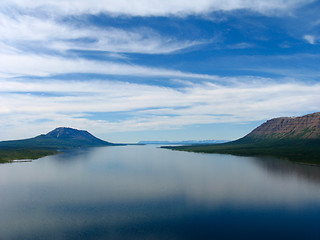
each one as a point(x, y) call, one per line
point(296, 139)
point(307, 151)
point(9, 154)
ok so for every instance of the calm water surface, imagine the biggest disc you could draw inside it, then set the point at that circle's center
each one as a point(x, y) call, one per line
point(143, 192)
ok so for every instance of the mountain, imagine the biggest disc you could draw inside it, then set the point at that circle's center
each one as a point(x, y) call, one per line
point(58, 138)
point(193, 142)
point(293, 138)
point(48, 144)
point(74, 136)
point(287, 128)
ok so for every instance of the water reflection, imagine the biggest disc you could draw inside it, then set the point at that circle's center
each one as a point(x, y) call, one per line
point(141, 192)
point(281, 168)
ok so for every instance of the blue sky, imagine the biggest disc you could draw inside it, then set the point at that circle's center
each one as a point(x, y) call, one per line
point(156, 70)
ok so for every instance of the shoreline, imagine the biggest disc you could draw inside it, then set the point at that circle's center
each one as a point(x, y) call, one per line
point(24, 155)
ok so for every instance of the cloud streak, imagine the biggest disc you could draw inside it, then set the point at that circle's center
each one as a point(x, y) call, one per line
point(39, 105)
point(156, 7)
point(44, 41)
point(23, 32)
point(43, 65)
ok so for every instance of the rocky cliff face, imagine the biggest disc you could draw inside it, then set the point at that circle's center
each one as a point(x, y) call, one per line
point(305, 127)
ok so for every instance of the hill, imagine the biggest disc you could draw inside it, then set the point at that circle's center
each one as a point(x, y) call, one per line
point(293, 138)
point(45, 144)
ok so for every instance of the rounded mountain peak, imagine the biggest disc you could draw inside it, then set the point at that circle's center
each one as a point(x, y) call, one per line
point(70, 133)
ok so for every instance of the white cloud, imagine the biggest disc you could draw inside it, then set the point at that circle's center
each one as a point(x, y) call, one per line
point(241, 45)
point(310, 39)
point(68, 103)
point(155, 7)
point(21, 31)
point(38, 65)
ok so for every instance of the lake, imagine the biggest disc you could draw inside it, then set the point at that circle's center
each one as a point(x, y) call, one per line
point(144, 192)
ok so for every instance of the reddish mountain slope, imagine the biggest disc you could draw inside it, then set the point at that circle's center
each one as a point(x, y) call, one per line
point(305, 127)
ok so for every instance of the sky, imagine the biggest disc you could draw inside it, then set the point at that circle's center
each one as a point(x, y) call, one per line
point(131, 70)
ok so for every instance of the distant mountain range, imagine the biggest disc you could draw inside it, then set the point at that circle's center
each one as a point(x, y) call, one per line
point(294, 138)
point(191, 142)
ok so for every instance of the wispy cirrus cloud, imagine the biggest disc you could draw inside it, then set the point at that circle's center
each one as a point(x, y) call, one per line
point(46, 39)
point(27, 32)
point(41, 105)
point(156, 7)
point(42, 65)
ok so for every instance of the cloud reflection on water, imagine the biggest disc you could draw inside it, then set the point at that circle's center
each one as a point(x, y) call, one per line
point(138, 185)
